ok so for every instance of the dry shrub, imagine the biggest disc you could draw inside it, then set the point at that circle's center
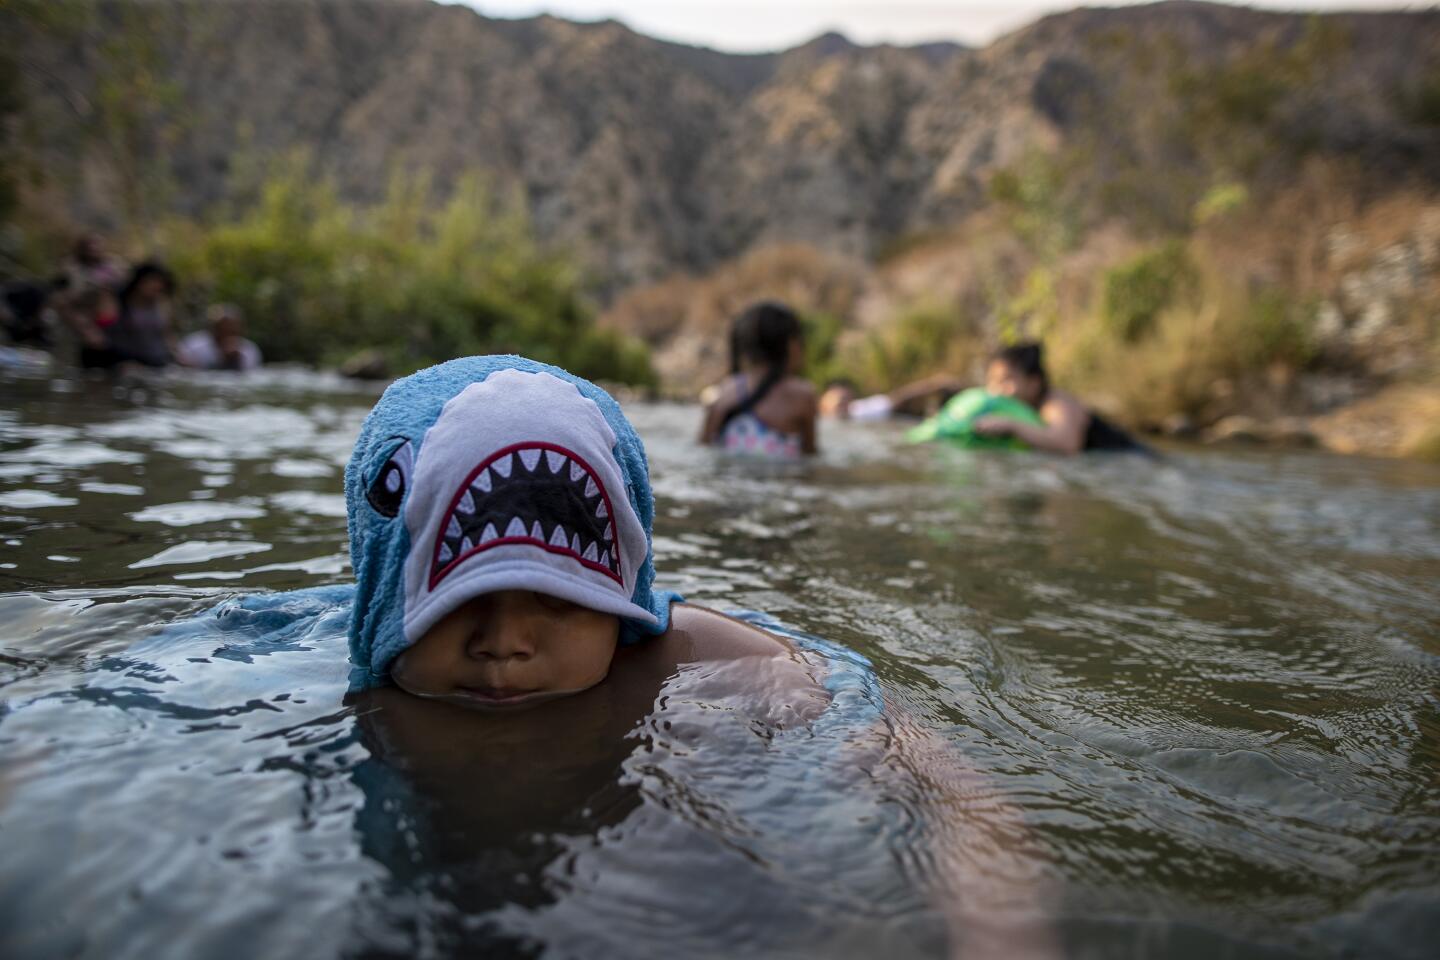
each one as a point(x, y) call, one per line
point(685, 319)
point(1229, 336)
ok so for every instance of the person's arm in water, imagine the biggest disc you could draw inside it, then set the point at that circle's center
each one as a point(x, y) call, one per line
point(1063, 431)
point(924, 397)
point(732, 658)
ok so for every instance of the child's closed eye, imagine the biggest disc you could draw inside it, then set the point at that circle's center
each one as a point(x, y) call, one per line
point(556, 604)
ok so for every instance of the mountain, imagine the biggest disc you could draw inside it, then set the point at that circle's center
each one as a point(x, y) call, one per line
point(646, 157)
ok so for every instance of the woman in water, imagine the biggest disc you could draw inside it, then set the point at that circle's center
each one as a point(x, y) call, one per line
point(764, 407)
point(143, 333)
point(1069, 426)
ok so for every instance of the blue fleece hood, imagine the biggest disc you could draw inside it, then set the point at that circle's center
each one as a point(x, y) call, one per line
point(492, 473)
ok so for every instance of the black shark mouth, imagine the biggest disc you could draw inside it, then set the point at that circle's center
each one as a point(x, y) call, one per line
point(539, 494)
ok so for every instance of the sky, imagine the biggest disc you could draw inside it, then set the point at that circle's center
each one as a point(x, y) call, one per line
point(754, 25)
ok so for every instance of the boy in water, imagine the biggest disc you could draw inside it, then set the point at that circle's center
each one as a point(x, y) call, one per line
point(500, 520)
point(500, 514)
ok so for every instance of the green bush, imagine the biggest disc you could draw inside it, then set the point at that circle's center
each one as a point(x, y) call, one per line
point(1041, 195)
point(923, 338)
point(422, 282)
point(1135, 293)
point(822, 333)
point(1277, 330)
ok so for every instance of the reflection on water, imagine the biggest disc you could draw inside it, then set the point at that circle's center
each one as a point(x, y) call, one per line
point(1205, 691)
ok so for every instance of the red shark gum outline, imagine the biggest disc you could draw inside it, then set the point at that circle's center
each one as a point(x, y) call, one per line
point(443, 572)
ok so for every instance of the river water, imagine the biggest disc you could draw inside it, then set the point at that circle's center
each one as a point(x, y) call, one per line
point(1188, 707)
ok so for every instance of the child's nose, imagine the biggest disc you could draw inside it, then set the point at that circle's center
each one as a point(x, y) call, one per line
point(505, 634)
point(496, 641)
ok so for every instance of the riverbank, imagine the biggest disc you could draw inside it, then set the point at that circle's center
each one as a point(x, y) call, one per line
point(1308, 317)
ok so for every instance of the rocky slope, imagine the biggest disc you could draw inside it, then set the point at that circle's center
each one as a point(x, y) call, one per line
point(647, 157)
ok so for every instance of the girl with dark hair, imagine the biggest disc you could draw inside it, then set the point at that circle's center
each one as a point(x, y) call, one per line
point(764, 407)
point(143, 333)
point(1068, 425)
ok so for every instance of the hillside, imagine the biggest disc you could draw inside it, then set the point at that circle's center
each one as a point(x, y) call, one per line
point(1220, 219)
point(645, 157)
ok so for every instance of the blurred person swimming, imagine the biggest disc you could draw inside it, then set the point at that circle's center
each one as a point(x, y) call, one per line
point(1066, 425)
point(222, 345)
point(90, 264)
point(764, 408)
point(136, 327)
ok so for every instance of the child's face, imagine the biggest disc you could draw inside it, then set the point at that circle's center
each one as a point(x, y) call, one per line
point(510, 649)
point(1004, 380)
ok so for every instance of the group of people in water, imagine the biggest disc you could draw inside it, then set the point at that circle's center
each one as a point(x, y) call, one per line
point(766, 407)
point(118, 315)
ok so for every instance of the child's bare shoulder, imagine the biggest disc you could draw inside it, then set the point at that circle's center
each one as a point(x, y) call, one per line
point(800, 388)
point(763, 663)
point(698, 633)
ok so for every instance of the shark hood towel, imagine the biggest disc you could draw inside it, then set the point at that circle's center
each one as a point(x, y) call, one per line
point(494, 473)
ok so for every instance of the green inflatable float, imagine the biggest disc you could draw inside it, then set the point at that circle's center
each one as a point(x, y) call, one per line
point(953, 423)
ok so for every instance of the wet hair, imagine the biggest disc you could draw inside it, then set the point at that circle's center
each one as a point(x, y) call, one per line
point(1026, 358)
point(762, 332)
point(150, 268)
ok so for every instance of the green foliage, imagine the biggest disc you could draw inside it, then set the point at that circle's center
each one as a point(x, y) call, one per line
point(1220, 200)
point(1135, 293)
point(1276, 331)
point(822, 334)
point(140, 112)
point(1039, 193)
point(1032, 312)
point(923, 338)
point(319, 279)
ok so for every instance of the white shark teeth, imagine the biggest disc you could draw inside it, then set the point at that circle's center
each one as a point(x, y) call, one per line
point(489, 533)
point(446, 554)
point(555, 460)
point(590, 553)
point(452, 529)
point(576, 472)
point(605, 558)
point(482, 482)
point(610, 531)
point(557, 537)
point(537, 532)
point(466, 545)
point(466, 504)
point(516, 528)
point(529, 457)
point(590, 488)
point(602, 511)
point(575, 543)
point(503, 466)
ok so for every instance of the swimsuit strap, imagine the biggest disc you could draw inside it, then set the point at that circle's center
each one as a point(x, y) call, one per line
point(770, 381)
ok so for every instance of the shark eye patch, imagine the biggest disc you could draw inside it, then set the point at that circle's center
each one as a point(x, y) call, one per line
point(387, 490)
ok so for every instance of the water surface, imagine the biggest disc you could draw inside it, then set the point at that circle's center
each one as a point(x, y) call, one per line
point(1199, 699)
